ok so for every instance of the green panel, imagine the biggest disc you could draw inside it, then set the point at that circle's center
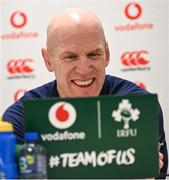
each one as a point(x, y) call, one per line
point(105, 148)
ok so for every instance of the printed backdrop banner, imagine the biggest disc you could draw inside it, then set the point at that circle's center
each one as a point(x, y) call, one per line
point(136, 31)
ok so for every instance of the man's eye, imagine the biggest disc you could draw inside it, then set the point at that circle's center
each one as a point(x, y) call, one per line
point(94, 55)
point(71, 57)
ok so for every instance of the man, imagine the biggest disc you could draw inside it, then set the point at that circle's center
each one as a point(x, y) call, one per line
point(77, 53)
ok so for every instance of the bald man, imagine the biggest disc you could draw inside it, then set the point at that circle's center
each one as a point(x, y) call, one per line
point(77, 52)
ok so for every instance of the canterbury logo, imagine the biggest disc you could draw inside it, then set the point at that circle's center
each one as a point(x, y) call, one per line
point(19, 66)
point(134, 58)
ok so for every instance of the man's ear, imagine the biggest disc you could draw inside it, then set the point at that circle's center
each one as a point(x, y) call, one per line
point(107, 54)
point(47, 59)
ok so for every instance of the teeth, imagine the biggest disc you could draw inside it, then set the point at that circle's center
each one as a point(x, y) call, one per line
point(83, 83)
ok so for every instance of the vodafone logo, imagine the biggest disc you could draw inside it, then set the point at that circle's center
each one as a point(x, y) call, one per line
point(134, 58)
point(62, 115)
point(133, 11)
point(19, 66)
point(18, 19)
point(19, 93)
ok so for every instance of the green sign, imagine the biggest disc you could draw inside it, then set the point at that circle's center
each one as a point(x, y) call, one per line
point(98, 137)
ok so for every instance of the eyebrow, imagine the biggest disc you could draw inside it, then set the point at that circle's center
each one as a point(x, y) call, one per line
point(71, 52)
point(68, 52)
point(96, 50)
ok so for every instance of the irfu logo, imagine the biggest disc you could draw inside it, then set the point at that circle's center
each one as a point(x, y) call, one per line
point(125, 113)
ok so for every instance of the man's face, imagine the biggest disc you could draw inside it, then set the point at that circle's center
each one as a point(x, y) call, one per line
point(79, 61)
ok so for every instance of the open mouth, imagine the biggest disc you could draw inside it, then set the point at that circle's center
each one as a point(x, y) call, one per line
point(83, 83)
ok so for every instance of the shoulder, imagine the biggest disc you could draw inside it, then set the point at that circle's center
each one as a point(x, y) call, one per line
point(15, 112)
point(119, 86)
point(44, 91)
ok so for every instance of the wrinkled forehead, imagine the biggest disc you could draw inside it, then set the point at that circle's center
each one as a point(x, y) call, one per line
point(77, 39)
point(77, 30)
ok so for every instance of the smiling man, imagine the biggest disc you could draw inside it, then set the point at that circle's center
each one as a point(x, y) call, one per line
point(77, 52)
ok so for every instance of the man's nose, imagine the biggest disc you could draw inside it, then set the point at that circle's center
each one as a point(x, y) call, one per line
point(84, 66)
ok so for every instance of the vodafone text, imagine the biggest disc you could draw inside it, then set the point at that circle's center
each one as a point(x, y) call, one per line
point(72, 160)
point(134, 27)
point(65, 135)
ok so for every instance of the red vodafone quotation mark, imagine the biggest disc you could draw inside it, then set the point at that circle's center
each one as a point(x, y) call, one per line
point(133, 6)
point(19, 66)
point(18, 19)
point(62, 114)
point(134, 58)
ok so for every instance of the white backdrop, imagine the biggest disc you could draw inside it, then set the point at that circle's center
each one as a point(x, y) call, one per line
point(137, 37)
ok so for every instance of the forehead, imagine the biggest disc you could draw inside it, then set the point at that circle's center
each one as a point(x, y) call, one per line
point(84, 40)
